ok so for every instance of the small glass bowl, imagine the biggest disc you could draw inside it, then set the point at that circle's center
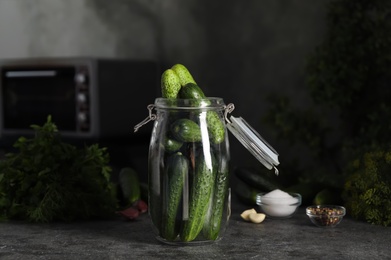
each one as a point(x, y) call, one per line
point(326, 215)
point(279, 208)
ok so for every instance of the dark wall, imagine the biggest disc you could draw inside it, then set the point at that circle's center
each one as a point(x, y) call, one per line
point(242, 51)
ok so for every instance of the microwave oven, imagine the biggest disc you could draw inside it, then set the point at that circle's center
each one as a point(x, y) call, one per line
point(86, 97)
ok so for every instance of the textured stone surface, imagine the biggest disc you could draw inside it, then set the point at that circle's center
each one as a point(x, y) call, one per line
point(294, 238)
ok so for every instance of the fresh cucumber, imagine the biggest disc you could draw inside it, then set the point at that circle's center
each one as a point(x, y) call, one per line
point(245, 193)
point(191, 91)
point(212, 225)
point(186, 130)
point(170, 84)
point(130, 185)
point(328, 196)
point(175, 171)
point(216, 126)
point(183, 74)
point(172, 145)
point(257, 179)
point(199, 197)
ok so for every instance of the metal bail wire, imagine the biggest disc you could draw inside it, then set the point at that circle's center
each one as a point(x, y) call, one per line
point(228, 109)
point(150, 117)
point(276, 172)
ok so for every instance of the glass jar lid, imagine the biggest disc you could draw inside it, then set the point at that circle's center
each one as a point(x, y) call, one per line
point(254, 142)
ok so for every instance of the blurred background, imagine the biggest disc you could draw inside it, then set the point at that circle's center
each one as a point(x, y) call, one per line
point(240, 51)
point(326, 59)
point(312, 77)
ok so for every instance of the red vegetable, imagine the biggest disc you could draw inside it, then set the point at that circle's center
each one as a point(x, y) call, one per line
point(129, 213)
point(138, 207)
point(141, 206)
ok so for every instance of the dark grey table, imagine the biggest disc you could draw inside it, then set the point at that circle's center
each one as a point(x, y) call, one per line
point(294, 238)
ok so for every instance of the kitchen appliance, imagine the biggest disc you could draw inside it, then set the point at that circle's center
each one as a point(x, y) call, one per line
point(88, 98)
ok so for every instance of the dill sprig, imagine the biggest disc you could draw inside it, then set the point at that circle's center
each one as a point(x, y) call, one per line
point(49, 180)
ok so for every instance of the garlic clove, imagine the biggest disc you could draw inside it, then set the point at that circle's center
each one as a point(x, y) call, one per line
point(256, 217)
point(245, 214)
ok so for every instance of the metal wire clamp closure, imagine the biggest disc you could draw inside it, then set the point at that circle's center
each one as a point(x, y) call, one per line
point(150, 117)
point(228, 109)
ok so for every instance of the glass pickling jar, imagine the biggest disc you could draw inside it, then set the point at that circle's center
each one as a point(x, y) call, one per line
point(188, 171)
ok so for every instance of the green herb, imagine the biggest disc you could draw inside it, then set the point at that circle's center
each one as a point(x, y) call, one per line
point(348, 110)
point(48, 180)
point(367, 190)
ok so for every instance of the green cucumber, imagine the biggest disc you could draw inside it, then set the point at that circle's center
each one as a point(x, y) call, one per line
point(176, 170)
point(191, 91)
point(200, 196)
point(186, 130)
point(328, 196)
point(245, 193)
point(216, 126)
point(212, 225)
point(183, 74)
point(170, 84)
point(130, 185)
point(259, 180)
point(172, 145)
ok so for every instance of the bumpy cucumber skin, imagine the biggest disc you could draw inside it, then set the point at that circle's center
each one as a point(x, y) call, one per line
point(211, 229)
point(215, 125)
point(170, 84)
point(200, 195)
point(183, 74)
point(176, 169)
point(191, 91)
point(186, 130)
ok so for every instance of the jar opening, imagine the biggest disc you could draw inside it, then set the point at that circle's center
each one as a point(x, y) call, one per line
point(177, 103)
